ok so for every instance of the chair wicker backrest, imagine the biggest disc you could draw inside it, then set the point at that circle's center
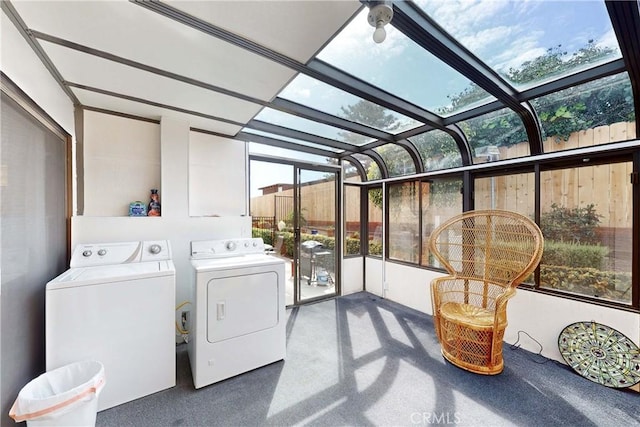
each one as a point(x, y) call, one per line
point(487, 254)
point(495, 246)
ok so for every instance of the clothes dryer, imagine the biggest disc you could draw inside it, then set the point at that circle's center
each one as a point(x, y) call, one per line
point(239, 321)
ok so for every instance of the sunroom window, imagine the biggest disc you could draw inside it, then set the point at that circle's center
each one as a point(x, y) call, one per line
point(292, 140)
point(593, 113)
point(396, 159)
point(496, 136)
point(586, 219)
point(441, 200)
point(374, 221)
point(529, 43)
point(321, 96)
point(352, 220)
point(400, 67)
point(514, 192)
point(437, 149)
point(371, 168)
point(279, 118)
point(404, 214)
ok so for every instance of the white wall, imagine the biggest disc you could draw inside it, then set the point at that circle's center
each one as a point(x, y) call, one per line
point(217, 171)
point(410, 286)
point(374, 276)
point(352, 275)
point(539, 315)
point(121, 163)
point(545, 316)
point(168, 144)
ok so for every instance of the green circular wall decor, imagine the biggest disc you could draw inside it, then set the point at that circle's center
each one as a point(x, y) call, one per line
point(600, 354)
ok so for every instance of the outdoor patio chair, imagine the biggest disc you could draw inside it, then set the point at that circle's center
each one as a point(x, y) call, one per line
point(487, 255)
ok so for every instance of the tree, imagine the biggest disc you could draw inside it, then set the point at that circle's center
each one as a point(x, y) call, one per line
point(368, 113)
point(604, 101)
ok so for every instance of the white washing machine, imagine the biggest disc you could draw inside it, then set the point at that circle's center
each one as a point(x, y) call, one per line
point(116, 305)
point(238, 323)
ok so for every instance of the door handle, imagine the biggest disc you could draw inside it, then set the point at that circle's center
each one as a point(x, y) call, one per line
point(221, 310)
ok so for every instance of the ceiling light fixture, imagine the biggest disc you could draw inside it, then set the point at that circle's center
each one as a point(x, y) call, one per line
point(380, 15)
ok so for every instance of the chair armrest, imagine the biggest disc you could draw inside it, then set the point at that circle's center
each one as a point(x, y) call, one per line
point(501, 306)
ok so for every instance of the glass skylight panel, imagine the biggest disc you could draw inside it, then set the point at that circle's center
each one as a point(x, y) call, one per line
point(594, 113)
point(369, 165)
point(530, 42)
point(256, 148)
point(293, 140)
point(401, 67)
point(496, 136)
point(397, 160)
point(326, 98)
point(290, 121)
point(349, 172)
point(437, 149)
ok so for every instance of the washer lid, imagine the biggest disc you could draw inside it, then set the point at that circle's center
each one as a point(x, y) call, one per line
point(242, 261)
point(83, 276)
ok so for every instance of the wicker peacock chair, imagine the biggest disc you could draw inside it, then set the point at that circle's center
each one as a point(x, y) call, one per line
point(487, 254)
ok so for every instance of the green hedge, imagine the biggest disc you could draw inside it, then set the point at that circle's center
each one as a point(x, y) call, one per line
point(375, 247)
point(587, 281)
point(264, 233)
point(353, 245)
point(574, 255)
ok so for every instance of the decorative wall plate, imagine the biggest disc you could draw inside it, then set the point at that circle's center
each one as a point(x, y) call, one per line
point(600, 354)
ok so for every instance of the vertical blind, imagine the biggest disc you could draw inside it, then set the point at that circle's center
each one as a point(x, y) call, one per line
point(33, 241)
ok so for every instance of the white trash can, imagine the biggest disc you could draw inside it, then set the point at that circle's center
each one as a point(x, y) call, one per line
point(67, 396)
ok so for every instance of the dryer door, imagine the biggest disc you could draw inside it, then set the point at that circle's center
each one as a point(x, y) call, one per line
point(241, 304)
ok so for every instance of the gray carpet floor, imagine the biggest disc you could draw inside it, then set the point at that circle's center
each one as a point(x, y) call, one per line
point(361, 360)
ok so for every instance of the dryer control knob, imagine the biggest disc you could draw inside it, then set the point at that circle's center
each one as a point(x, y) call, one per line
point(231, 246)
point(155, 249)
point(102, 252)
point(87, 253)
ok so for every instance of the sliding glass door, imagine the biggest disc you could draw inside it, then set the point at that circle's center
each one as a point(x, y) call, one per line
point(315, 233)
point(293, 208)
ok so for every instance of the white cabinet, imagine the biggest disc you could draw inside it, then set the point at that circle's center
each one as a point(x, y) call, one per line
point(217, 176)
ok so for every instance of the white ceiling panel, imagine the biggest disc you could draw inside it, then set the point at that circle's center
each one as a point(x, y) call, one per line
point(297, 29)
point(125, 29)
point(98, 100)
point(90, 70)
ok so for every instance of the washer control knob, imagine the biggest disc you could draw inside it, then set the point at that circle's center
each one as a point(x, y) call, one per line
point(155, 249)
point(255, 244)
point(86, 253)
point(102, 252)
point(231, 246)
point(246, 244)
